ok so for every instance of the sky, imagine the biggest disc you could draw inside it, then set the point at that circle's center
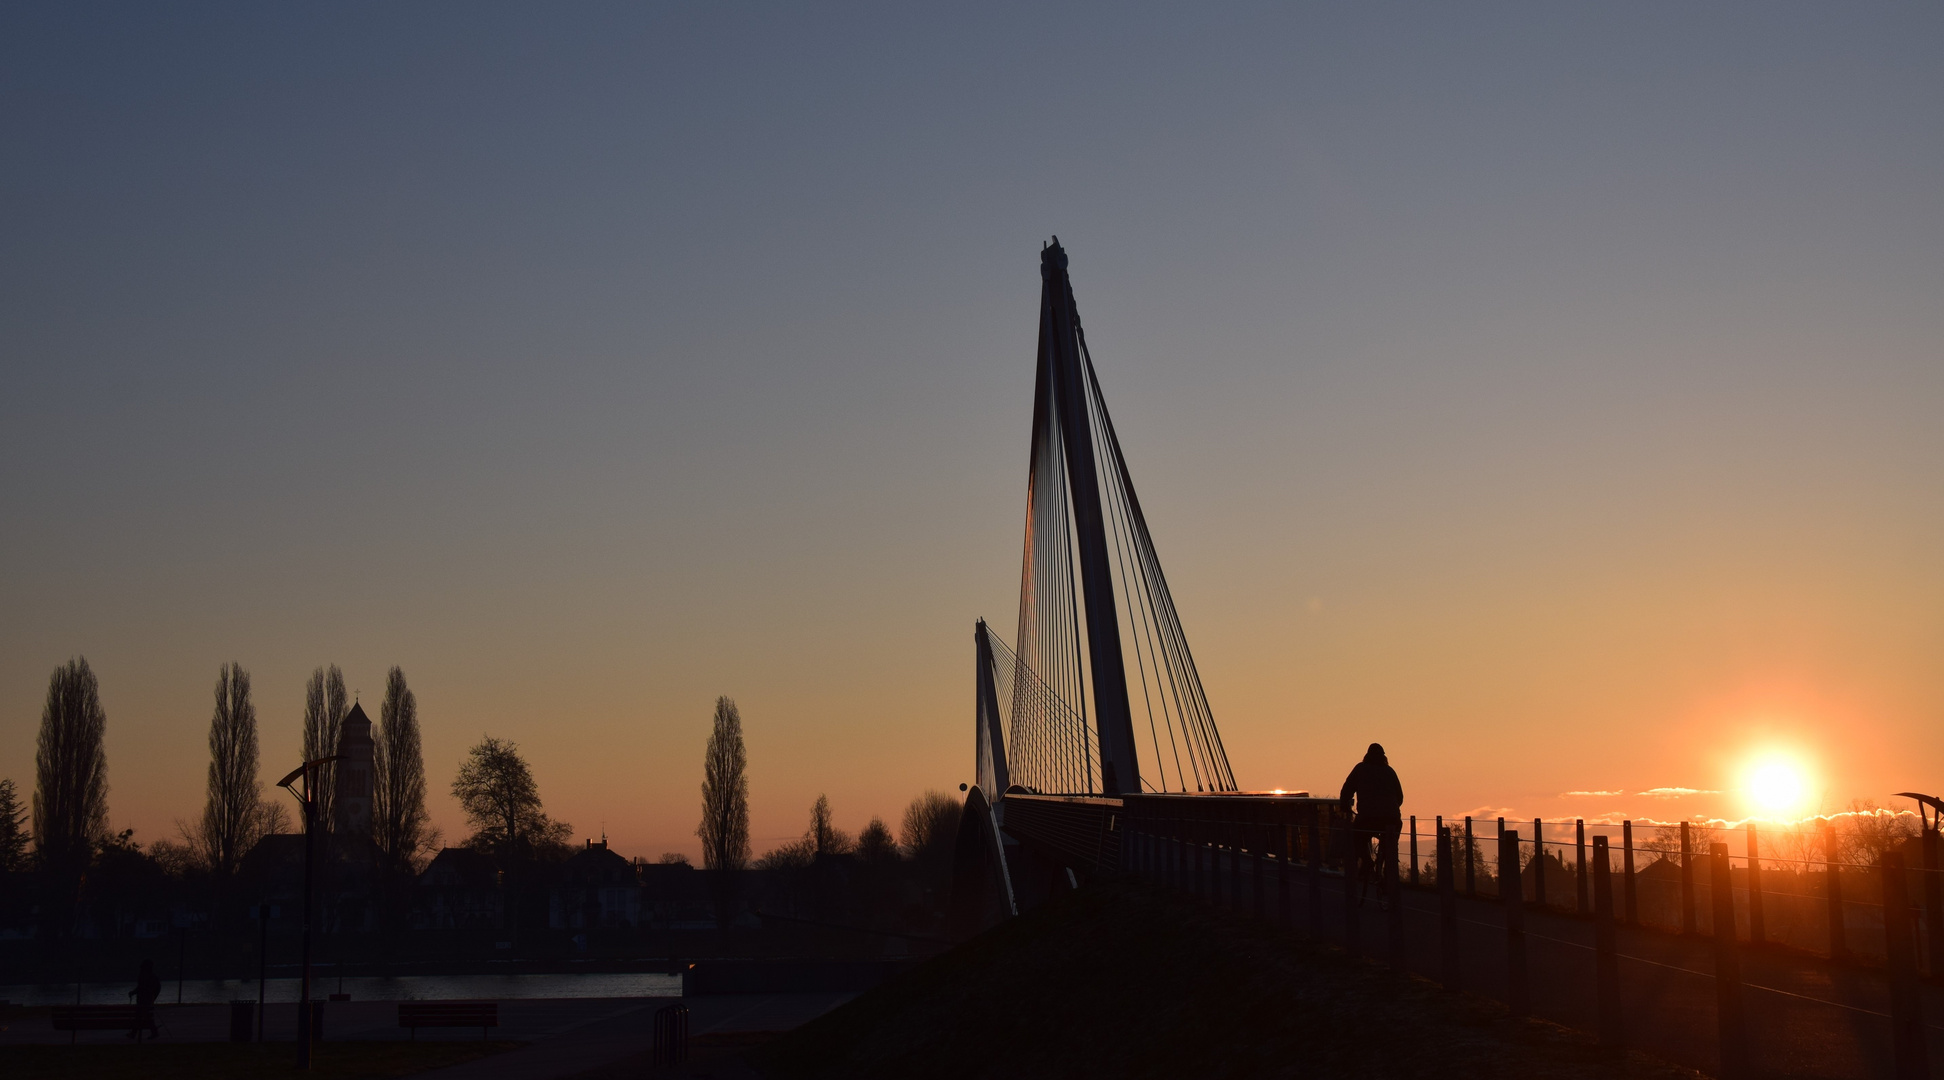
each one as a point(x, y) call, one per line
point(1549, 393)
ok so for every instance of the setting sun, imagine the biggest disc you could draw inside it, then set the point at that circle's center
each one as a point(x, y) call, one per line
point(1777, 785)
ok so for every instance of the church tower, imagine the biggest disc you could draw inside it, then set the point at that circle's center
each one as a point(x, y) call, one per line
point(351, 812)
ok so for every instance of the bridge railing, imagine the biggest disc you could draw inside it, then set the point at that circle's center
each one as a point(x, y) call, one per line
point(1089, 832)
point(1725, 1001)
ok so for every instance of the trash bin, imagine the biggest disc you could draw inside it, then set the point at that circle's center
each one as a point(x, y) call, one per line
point(242, 1021)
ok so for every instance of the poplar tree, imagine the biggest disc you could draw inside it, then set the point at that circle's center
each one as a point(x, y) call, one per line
point(398, 817)
point(231, 816)
point(70, 777)
point(13, 829)
point(325, 706)
point(725, 793)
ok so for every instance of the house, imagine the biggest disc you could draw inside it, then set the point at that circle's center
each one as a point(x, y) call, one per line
point(459, 890)
point(595, 887)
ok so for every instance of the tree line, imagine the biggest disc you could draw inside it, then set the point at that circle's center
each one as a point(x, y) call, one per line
point(494, 786)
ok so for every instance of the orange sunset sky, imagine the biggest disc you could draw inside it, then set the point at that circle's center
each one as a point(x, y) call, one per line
point(1554, 400)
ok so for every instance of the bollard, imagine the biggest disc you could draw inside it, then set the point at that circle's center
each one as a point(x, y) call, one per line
point(1688, 924)
point(1730, 1028)
point(1447, 912)
point(1316, 876)
point(1471, 882)
point(1538, 864)
point(1511, 896)
point(1907, 1042)
point(1627, 864)
point(1579, 853)
point(1833, 893)
point(1606, 960)
point(1757, 927)
point(1414, 855)
point(242, 1020)
point(671, 1036)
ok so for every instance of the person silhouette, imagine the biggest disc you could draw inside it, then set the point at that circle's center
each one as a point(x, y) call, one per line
point(148, 986)
point(1379, 799)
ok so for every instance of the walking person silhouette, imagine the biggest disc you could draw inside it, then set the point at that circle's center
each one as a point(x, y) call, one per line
point(148, 986)
point(1379, 801)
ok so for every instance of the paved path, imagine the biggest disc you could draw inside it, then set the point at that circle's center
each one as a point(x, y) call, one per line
point(1806, 1017)
point(567, 1036)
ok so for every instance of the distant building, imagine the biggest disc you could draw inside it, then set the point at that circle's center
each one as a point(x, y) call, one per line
point(595, 887)
point(459, 890)
point(351, 810)
point(346, 877)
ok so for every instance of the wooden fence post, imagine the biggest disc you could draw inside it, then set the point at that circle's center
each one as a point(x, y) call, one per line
point(1688, 925)
point(1511, 895)
point(1757, 926)
point(1538, 864)
point(1833, 893)
point(1606, 959)
point(1579, 874)
point(1730, 1027)
point(1626, 854)
point(1471, 880)
point(1907, 1042)
point(1414, 854)
point(1447, 912)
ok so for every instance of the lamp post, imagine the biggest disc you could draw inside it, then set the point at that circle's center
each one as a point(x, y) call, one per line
point(307, 799)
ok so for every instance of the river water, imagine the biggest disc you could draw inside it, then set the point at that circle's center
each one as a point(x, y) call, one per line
point(361, 988)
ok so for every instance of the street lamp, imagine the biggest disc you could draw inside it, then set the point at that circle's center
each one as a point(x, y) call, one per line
point(307, 799)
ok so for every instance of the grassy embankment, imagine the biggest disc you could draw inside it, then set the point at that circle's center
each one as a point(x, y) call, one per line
point(1124, 982)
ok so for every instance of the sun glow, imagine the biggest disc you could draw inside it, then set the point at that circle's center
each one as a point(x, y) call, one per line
point(1777, 785)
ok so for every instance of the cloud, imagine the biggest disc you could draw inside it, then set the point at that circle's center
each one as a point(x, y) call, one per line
point(1591, 794)
point(1675, 792)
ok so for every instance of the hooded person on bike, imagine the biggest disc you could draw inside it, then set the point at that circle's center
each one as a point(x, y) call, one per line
point(1379, 801)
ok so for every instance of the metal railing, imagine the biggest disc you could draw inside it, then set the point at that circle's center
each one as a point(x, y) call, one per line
point(1603, 940)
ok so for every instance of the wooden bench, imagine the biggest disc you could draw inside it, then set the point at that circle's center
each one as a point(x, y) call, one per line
point(459, 1014)
point(74, 1018)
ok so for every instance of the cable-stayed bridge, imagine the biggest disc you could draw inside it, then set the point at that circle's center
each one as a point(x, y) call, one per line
point(1095, 720)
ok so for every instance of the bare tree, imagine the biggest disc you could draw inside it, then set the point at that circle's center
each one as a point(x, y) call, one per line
point(1666, 841)
point(496, 790)
point(725, 793)
point(231, 814)
point(13, 830)
point(325, 706)
point(930, 825)
point(399, 823)
point(70, 776)
point(1874, 832)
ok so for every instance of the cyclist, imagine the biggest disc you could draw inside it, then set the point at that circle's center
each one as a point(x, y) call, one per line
point(1378, 798)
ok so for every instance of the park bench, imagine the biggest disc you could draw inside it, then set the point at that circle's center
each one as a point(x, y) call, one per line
point(459, 1014)
point(74, 1018)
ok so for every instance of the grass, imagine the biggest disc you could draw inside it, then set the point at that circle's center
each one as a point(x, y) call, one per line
point(236, 1061)
point(1125, 982)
